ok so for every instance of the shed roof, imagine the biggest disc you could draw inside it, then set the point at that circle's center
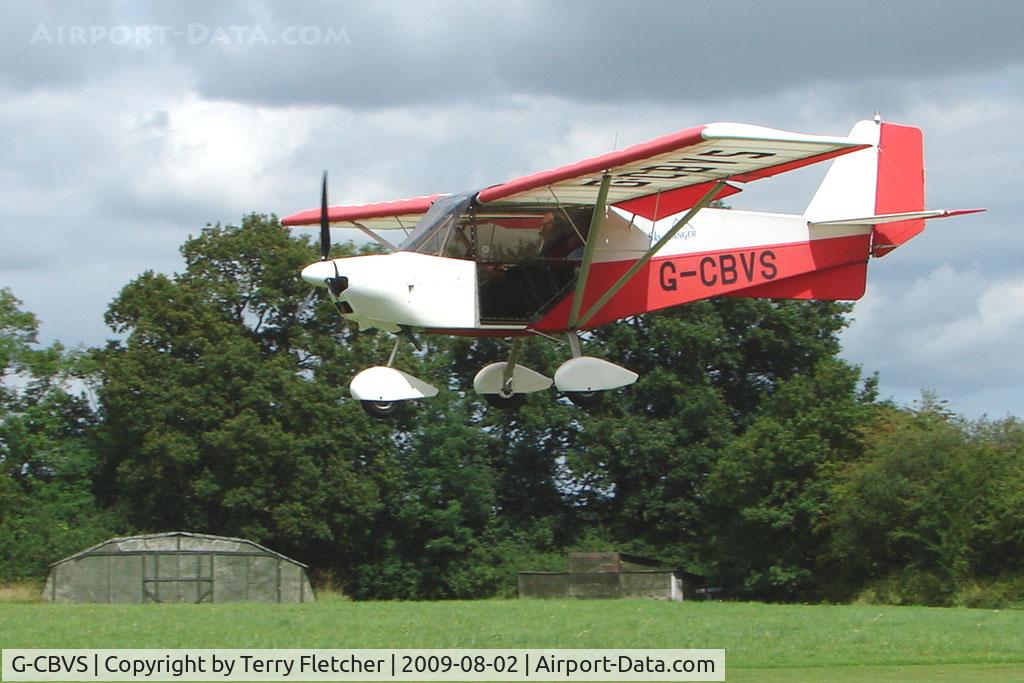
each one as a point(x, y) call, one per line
point(151, 543)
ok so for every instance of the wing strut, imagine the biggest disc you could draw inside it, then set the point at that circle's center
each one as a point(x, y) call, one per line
point(640, 263)
point(588, 251)
point(375, 237)
point(567, 216)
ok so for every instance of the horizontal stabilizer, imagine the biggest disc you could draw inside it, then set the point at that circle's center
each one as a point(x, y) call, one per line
point(892, 217)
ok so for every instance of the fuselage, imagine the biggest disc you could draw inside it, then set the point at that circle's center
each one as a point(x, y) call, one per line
point(503, 283)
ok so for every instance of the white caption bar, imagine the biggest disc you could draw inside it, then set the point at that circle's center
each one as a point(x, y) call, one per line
point(363, 665)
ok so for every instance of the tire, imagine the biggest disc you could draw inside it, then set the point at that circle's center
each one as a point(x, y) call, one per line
point(512, 402)
point(585, 399)
point(381, 410)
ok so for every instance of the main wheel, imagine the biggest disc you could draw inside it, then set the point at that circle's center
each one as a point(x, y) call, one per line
point(585, 399)
point(380, 410)
point(510, 402)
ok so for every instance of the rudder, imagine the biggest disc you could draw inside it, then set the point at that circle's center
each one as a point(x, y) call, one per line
point(900, 184)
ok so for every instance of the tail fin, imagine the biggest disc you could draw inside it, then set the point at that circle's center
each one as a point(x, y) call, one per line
point(886, 178)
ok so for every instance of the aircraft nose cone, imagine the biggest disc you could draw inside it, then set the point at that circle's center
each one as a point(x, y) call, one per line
point(317, 273)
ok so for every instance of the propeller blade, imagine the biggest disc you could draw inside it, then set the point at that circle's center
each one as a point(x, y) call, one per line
point(338, 284)
point(325, 224)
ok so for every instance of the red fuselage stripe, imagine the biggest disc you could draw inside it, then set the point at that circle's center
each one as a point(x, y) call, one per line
point(674, 280)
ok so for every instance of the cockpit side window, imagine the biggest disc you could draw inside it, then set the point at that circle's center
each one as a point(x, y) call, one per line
point(527, 260)
point(532, 235)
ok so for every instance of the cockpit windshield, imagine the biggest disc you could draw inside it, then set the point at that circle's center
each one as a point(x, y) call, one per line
point(436, 228)
point(452, 227)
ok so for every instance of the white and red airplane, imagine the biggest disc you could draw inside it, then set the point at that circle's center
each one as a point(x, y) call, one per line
point(624, 233)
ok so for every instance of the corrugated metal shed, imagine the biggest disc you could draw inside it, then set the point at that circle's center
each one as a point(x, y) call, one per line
point(608, 575)
point(178, 567)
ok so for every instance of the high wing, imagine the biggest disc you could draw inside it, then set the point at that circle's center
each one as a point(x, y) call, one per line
point(400, 214)
point(653, 179)
point(669, 174)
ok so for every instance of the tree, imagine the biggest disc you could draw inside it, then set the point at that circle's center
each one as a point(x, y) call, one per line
point(222, 408)
point(225, 412)
point(934, 505)
point(705, 369)
point(769, 491)
point(47, 452)
point(18, 330)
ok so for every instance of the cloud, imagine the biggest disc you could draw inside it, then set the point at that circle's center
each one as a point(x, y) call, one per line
point(608, 51)
point(955, 331)
point(372, 55)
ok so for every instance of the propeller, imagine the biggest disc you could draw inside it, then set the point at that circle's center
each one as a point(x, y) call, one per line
point(338, 283)
point(325, 223)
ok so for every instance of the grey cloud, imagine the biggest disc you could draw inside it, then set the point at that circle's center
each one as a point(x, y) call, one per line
point(599, 51)
point(395, 54)
point(38, 48)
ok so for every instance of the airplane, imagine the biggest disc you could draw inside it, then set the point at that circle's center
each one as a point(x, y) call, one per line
point(568, 249)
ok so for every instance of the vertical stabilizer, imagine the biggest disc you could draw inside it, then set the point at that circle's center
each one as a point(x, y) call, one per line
point(849, 186)
point(886, 178)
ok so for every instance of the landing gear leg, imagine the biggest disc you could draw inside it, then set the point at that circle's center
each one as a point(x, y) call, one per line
point(507, 398)
point(510, 366)
point(574, 344)
point(505, 385)
point(583, 399)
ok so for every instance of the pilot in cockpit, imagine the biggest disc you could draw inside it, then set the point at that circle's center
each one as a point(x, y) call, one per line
point(559, 239)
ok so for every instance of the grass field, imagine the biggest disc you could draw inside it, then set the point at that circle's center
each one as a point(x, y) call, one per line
point(762, 642)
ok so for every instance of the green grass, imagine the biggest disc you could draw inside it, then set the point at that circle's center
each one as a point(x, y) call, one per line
point(762, 642)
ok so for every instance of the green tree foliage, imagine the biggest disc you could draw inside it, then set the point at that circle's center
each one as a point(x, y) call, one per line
point(18, 330)
point(704, 368)
point(769, 489)
point(226, 411)
point(221, 408)
point(935, 505)
point(47, 456)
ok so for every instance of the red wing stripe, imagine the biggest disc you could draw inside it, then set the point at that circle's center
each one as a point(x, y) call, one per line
point(341, 214)
point(652, 206)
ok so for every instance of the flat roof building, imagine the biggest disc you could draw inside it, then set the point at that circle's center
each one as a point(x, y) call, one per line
point(609, 575)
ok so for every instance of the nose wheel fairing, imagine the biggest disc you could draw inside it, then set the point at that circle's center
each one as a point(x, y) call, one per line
point(387, 384)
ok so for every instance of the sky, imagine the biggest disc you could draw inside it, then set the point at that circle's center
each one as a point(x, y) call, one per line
point(128, 126)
